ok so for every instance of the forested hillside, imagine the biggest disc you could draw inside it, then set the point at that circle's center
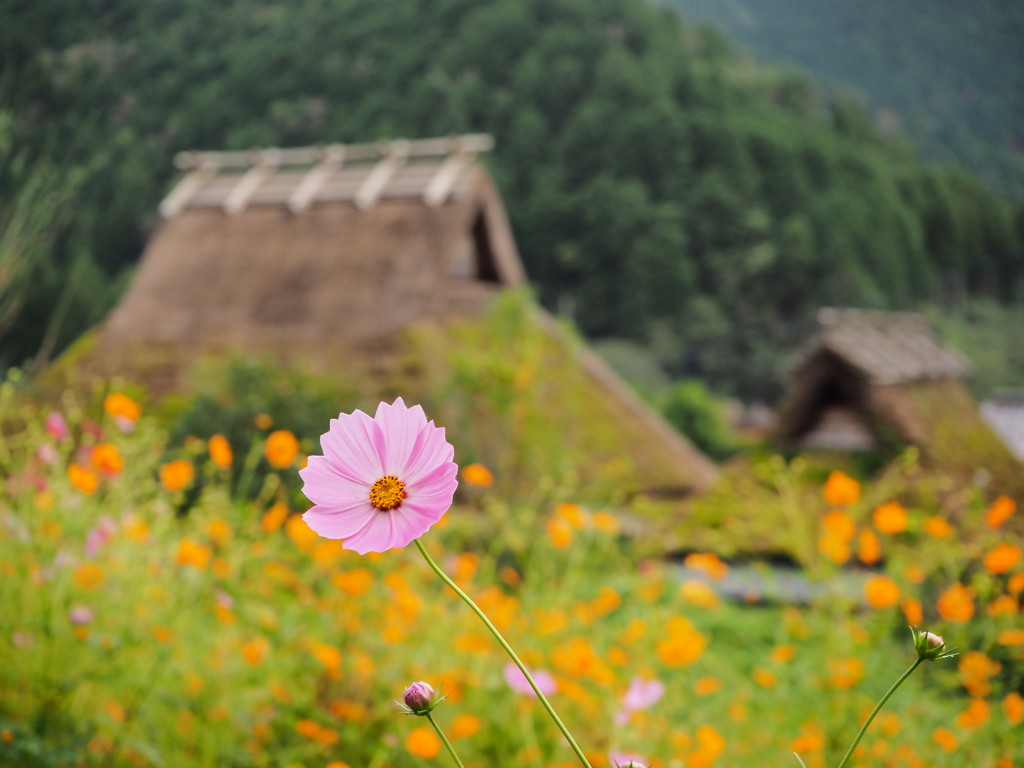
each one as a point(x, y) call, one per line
point(947, 75)
point(661, 189)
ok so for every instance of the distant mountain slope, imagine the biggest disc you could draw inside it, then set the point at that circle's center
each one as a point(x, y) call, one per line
point(948, 74)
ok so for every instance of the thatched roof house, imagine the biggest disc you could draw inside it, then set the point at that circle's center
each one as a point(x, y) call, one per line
point(316, 246)
point(881, 380)
point(330, 254)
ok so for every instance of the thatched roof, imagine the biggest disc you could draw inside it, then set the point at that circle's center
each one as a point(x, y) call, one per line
point(878, 381)
point(887, 347)
point(317, 246)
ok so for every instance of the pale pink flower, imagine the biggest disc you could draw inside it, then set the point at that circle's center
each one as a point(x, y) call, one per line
point(101, 533)
point(56, 426)
point(517, 681)
point(641, 694)
point(381, 482)
point(47, 454)
point(623, 760)
point(80, 615)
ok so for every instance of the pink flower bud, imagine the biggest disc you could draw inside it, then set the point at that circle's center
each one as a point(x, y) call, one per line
point(419, 697)
point(933, 640)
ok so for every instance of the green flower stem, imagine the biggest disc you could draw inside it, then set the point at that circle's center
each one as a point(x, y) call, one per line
point(448, 744)
point(876, 710)
point(508, 649)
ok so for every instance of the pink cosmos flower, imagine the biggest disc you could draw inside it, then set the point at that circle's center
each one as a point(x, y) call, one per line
point(56, 426)
point(381, 482)
point(101, 533)
point(641, 694)
point(624, 760)
point(517, 681)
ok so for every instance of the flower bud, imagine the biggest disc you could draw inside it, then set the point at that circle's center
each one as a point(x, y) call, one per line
point(419, 698)
point(930, 647)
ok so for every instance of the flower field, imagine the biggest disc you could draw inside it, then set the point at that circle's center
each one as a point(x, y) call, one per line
point(167, 606)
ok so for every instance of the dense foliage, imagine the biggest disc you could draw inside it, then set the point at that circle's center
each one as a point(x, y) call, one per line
point(947, 74)
point(661, 189)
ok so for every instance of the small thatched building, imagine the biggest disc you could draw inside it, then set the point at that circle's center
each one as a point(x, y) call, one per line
point(337, 245)
point(881, 380)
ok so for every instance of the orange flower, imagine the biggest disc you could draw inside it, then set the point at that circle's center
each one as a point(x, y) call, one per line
point(870, 550)
point(937, 527)
point(464, 726)
point(975, 670)
point(956, 604)
point(912, 611)
point(219, 532)
point(1000, 511)
point(477, 474)
point(838, 524)
point(177, 474)
point(698, 593)
point(106, 459)
point(1013, 707)
point(707, 685)
point(297, 530)
point(834, 548)
point(119, 404)
point(683, 644)
point(707, 563)
point(85, 480)
point(975, 715)
point(890, 518)
point(89, 576)
point(945, 739)
point(1015, 584)
point(841, 490)
point(560, 533)
point(1011, 637)
point(764, 677)
point(914, 573)
point(220, 451)
point(274, 516)
point(811, 739)
point(782, 654)
point(255, 650)
point(193, 554)
point(329, 656)
point(1001, 559)
point(573, 514)
point(1004, 605)
point(881, 592)
point(263, 421)
point(281, 449)
point(423, 742)
point(605, 522)
point(845, 673)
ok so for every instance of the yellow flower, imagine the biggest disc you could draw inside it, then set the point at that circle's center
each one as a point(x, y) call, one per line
point(255, 650)
point(890, 518)
point(764, 677)
point(423, 742)
point(707, 685)
point(605, 522)
point(573, 514)
point(220, 451)
point(477, 474)
point(85, 480)
point(881, 592)
point(281, 449)
point(841, 490)
point(177, 474)
point(783, 653)
point(119, 404)
point(707, 563)
point(219, 532)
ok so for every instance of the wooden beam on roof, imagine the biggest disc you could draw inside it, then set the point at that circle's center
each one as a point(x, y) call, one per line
point(302, 198)
point(239, 195)
point(373, 186)
point(184, 191)
point(443, 181)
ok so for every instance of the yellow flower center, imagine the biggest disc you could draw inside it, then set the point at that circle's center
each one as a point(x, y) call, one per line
point(387, 493)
